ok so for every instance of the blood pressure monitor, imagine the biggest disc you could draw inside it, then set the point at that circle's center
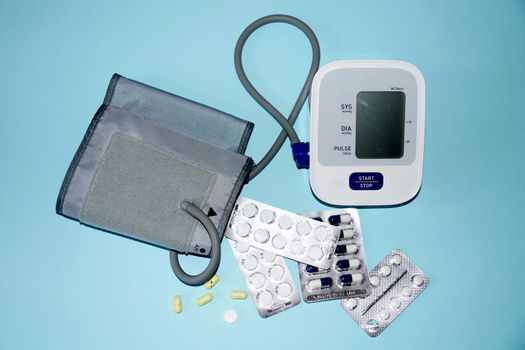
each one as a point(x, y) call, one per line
point(367, 132)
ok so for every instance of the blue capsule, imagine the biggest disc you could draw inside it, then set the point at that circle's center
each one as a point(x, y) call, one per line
point(351, 279)
point(344, 249)
point(344, 265)
point(314, 270)
point(320, 283)
point(340, 219)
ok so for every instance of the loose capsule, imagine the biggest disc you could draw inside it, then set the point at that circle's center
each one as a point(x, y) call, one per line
point(321, 283)
point(314, 270)
point(351, 279)
point(346, 234)
point(177, 304)
point(212, 282)
point(238, 294)
point(344, 265)
point(204, 299)
point(340, 219)
point(344, 249)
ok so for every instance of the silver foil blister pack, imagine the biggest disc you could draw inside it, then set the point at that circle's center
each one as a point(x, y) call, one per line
point(348, 274)
point(396, 281)
point(268, 279)
point(282, 232)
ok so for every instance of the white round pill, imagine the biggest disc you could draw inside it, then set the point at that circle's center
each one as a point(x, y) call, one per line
point(242, 247)
point(257, 280)
point(321, 233)
point(351, 303)
point(303, 228)
point(315, 252)
point(264, 298)
point(261, 235)
point(230, 316)
point(283, 290)
point(250, 262)
point(243, 229)
point(374, 280)
point(418, 280)
point(406, 292)
point(267, 216)
point(384, 314)
point(249, 210)
point(285, 222)
point(385, 270)
point(395, 302)
point(268, 257)
point(395, 259)
point(279, 241)
point(276, 272)
point(297, 247)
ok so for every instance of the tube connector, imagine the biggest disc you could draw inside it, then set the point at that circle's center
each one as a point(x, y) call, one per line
point(301, 154)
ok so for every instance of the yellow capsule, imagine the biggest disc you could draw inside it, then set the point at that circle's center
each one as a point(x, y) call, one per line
point(238, 294)
point(204, 299)
point(212, 282)
point(177, 304)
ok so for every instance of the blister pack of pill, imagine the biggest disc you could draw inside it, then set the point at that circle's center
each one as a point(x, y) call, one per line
point(268, 279)
point(282, 232)
point(396, 281)
point(348, 274)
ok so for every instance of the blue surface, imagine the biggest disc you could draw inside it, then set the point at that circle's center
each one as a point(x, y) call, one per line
point(65, 286)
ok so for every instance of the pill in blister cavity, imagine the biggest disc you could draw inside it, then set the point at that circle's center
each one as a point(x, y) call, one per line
point(261, 235)
point(372, 326)
point(303, 228)
point(212, 282)
point(177, 304)
point(257, 280)
point(267, 216)
point(204, 299)
point(384, 314)
point(395, 302)
point(321, 233)
point(238, 294)
point(351, 279)
point(406, 292)
point(344, 249)
point(297, 247)
point(345, 265)
point(340, 219)
point(283, 290)
point(314, 270)
point(385, 270)
point(250, 262)
point(230, 316)
point(276, 272)
point(279, 241)
point(268, 257)
point(285, 222)
point(418, 280)
point(264, 298)
point(243, 229)
point(241, 247)
point(320, 283)
point(249, 210)
point(374, 280)
point(395, 259)
point(315, 252)
point(346, 234)
point(351, 303)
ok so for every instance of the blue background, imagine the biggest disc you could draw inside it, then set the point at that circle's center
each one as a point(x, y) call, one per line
point(66, 286)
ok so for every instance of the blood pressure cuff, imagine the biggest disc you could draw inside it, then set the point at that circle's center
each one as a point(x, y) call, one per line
point(144, 153)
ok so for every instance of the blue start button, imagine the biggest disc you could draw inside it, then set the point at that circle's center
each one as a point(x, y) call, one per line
point(366, 181)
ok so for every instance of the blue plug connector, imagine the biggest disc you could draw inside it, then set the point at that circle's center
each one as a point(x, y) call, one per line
point(301, 154)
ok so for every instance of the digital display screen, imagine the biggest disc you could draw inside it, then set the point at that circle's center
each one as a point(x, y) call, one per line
point(380, 124)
